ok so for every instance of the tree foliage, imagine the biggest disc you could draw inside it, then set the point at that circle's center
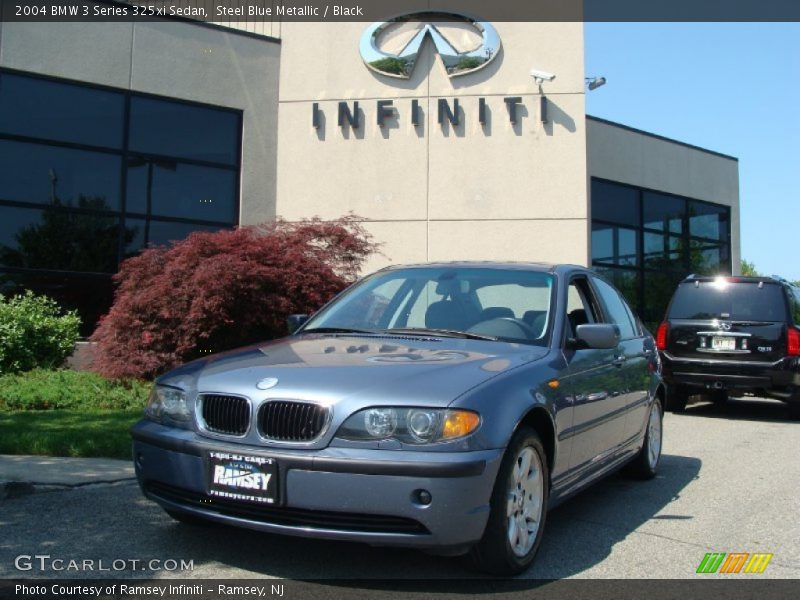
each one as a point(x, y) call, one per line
point(216, 291)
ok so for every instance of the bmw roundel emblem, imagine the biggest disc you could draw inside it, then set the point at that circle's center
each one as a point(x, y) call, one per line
point(267, 383)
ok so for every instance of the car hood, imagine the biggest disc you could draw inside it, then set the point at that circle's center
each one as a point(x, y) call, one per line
point(378, 370)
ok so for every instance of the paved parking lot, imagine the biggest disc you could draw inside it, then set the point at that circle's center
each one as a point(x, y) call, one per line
point(729, 482)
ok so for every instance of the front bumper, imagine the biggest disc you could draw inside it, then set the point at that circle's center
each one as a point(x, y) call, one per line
point(334, 493)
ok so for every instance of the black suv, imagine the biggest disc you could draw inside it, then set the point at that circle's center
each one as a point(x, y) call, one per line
point(732, 335)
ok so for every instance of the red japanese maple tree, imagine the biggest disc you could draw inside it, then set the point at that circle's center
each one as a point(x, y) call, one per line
point(216, 291)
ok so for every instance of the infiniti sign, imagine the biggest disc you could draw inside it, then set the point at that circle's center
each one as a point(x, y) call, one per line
point(456, 63)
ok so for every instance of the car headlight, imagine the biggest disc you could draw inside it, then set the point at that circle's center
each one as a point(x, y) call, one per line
point(409, 425)
point(168, 405)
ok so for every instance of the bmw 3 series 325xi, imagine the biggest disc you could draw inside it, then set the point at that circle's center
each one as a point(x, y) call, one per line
point(439, 406)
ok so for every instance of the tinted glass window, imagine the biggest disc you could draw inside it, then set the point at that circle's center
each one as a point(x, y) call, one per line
point(658, 289)
point(184, 131)
point(664, 212)
point(737, 301)
point(41, 174)
point(708, 221)
point(615, 203)
point(60, 111)
point(90, 295)
point(614, 245)
point(625, 280)
point(663, 251)
point(57, 239)
point(181, 190)
point(615, 308)
point(140, 233)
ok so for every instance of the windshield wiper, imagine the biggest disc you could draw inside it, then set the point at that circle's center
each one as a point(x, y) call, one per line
point(442, 333)
point(338, 330)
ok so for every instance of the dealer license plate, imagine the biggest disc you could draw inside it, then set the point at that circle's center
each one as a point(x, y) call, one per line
point(723, 343)
point(242, 477)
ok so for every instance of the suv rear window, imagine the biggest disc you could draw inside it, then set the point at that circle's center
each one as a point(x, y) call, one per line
point(741, 301)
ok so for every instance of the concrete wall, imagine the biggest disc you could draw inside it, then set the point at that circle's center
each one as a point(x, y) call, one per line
point(431, 192)
point(620, 154)
point(174, 59)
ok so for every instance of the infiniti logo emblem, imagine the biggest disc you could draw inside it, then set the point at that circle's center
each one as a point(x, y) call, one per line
point(267, 383)
point(725, 326)
point(456, 62)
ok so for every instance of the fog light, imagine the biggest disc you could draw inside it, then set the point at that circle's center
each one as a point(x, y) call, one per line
point(422, 497)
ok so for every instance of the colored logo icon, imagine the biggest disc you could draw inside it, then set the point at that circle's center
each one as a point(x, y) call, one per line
point(734, 562)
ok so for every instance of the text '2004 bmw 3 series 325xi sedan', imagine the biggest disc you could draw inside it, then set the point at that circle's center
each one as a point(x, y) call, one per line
point(440, 406)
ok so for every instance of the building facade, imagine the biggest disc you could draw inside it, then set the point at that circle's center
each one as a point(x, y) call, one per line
point(116, 136)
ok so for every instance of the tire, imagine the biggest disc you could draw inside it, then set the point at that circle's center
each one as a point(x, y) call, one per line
point(188, 519)
point(677, 398)
point(718, 397)
point(496, 553)
point(793, 408)
point(645, 465)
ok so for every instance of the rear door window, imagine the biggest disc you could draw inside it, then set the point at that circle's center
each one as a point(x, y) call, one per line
point(615, 309)
point(741, 301)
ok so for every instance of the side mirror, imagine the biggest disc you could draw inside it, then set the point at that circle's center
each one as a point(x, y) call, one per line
point(294, 322)
point(600, 336)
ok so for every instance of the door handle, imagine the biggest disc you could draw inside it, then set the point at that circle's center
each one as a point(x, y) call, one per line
point(647, 353)
point(619, 361)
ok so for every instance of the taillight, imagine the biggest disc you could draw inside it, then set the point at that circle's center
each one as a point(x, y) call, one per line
point(793, 341)
point(661, 336)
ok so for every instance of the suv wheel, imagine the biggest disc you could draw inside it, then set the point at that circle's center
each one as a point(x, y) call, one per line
point(677, 398)
point(794, 409)
point(518, 508)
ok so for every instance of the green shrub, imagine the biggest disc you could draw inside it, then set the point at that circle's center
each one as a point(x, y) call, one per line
point(34, 334)
point(64, 389)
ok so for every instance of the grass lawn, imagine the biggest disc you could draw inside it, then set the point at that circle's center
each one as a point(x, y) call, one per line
point(86, 432)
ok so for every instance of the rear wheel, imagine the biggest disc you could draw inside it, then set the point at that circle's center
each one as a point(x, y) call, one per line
point(518, 508)
point(718, 397)
point(677, 398)
point(794, 410)
point(645, 465)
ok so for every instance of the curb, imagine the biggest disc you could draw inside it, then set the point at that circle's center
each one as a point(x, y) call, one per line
point(15, 489)
point(18, 489)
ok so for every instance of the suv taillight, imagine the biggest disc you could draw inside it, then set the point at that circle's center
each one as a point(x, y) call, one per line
point(661, 336)
point(793, 341)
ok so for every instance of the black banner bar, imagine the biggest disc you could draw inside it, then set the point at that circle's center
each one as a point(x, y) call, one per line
point(226, 11)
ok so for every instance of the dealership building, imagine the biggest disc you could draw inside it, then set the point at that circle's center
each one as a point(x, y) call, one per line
point(119, 135)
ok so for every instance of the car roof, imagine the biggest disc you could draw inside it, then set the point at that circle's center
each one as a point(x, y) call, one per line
point(735, 279)
point(485, 264)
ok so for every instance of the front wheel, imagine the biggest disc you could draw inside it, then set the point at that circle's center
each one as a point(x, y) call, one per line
point(645, 465)
point(518, 508)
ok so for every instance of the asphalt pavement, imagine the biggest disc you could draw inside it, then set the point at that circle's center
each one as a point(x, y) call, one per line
point(729, 482)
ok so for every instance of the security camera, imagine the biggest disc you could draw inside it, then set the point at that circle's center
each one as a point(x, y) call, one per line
point(541, 76)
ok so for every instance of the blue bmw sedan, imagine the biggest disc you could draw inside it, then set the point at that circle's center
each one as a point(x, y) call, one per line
point(441, 406)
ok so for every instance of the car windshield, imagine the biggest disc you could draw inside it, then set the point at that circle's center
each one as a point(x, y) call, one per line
point(740, 301)
point(497, 304)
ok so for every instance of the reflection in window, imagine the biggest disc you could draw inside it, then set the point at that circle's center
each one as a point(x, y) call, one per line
point(615, 203)
point(44, 174)
point(53, 110)
point(66, 221)
point(679, 236)
point(663, 251)
point(57, 239)
point(152, 232)
point(184, 131)
point(90, 295)
point(179, 190)
point(708, 221)
point(664, 212)
point(614, 245)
